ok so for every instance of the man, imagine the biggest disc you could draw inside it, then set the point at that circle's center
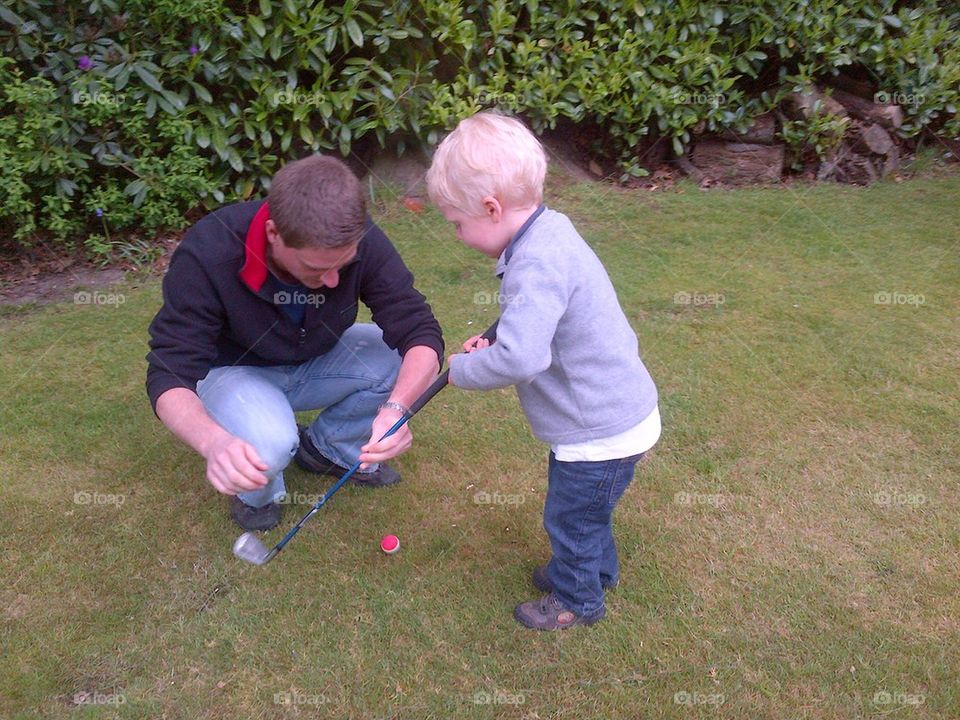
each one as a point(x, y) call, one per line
point(258, 322)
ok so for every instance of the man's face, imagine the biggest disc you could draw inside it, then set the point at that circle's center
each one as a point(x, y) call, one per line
point(313, 267)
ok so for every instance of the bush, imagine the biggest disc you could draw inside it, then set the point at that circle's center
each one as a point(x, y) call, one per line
point(144, 109)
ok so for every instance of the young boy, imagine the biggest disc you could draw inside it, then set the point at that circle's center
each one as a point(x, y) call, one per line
point(566, 345)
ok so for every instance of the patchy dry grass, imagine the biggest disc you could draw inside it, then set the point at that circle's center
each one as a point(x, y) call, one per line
point(790, 550)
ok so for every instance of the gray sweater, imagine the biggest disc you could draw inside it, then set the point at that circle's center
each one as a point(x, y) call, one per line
point(563, 340)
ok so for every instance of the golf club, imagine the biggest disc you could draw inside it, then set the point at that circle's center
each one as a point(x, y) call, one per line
point(249, 548)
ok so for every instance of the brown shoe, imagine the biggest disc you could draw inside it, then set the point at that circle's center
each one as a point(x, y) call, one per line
point(548, 613)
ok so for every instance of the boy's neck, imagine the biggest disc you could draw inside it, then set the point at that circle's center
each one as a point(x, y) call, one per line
point(514, 218)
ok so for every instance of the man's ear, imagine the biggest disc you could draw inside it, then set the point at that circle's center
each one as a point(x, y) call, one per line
point(492, 208)
point(273, 237)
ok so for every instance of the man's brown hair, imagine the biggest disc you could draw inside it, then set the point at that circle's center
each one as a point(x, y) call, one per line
point(317, 202)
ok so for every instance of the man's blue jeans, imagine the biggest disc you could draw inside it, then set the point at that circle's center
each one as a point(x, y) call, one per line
point(577, 515)
point(257, 404)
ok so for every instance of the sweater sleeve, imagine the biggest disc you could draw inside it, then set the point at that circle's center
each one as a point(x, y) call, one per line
point(387, 288)
point(534, 296)
point(183, 335)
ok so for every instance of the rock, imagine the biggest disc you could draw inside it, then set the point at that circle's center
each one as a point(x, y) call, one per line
point(738, 163)
point(886, 114)
point(805, 104)
point(763, 130)
point(877, 139)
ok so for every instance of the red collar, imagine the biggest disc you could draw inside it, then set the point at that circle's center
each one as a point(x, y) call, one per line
point(254, 270)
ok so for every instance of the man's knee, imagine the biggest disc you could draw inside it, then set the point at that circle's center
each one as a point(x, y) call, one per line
point(248, 406)
point(276, 445)
point(365, 341)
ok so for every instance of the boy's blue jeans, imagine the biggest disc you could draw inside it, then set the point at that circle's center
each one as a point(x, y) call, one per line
point(577, 514)
point(257, 403)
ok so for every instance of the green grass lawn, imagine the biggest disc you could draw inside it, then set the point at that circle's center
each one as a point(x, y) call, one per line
point(790, 549)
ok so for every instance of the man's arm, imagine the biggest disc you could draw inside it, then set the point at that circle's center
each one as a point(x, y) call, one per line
point(419, 368)
point(233, 465)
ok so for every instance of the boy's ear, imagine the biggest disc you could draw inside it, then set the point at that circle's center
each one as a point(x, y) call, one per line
point(492, 208)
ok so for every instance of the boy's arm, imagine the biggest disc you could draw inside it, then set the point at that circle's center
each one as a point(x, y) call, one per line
point(534, 298)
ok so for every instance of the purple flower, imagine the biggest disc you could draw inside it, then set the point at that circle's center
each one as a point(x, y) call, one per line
point(84, 63)
point(99, 212)
point(193, 50)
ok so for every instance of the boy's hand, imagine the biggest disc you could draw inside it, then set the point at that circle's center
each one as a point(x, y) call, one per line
point(477, 342)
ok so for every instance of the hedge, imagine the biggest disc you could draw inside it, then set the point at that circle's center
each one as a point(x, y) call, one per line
point(125, 115)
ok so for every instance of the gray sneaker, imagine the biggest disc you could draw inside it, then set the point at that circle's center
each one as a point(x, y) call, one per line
point(542, 582)
point(548, 613)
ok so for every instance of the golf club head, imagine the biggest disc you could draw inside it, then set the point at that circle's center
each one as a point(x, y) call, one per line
point(249, 548)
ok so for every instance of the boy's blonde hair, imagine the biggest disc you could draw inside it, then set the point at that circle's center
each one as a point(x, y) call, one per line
point(488, 154)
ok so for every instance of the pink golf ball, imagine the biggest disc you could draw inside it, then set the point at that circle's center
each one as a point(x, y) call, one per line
point(390, 544)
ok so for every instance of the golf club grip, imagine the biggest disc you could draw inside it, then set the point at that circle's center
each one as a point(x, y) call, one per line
point(441, 382)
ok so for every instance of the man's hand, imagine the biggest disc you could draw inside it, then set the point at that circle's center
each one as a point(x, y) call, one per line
point(376, 450)
point(233, 465)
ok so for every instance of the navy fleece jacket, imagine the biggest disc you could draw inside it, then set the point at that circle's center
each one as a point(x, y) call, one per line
point(220, 306)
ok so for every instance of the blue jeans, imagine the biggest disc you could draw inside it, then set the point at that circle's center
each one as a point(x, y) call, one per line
point(577, 516)
point(257, 403)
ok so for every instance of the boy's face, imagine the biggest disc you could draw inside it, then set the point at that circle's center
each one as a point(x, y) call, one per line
point(485, 233)
point(315, 267)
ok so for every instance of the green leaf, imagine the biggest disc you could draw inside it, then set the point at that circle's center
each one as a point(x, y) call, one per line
point(138, 190)
point(202, 93)
point(330, 41)
point(148, 78)
point(203, 137)
point(219, 142)
point(9, 17)
point(233, 157)
point(306, 134)
point(356, 34)
point(276, 47)
point(257, 24)
point(175, 100)
point(266, 8)
point(892, 21)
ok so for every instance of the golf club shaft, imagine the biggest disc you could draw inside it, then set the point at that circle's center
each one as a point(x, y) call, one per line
point(425, 397)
